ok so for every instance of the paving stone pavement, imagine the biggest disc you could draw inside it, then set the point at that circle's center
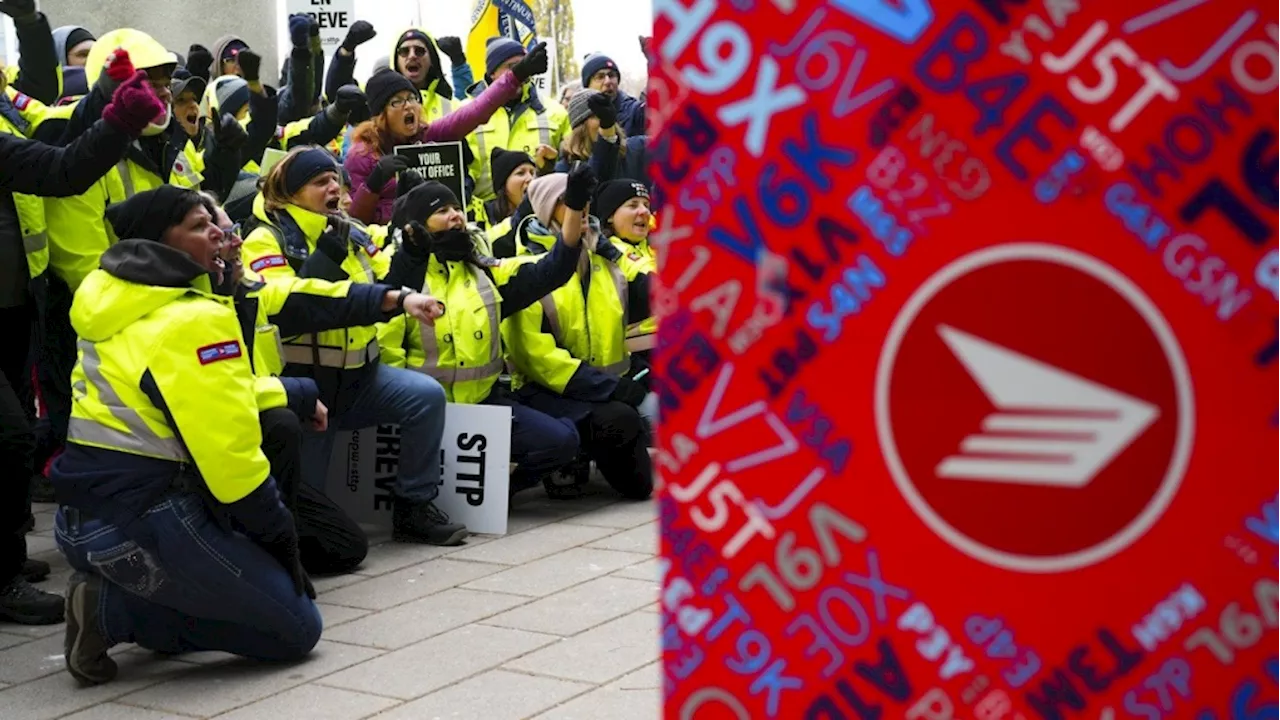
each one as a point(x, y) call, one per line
point(555, 621)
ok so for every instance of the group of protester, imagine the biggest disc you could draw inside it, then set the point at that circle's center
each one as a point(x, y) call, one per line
point(201, 329)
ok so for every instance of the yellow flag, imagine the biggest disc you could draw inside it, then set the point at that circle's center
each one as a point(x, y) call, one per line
point(484, 25)
point(492, 18)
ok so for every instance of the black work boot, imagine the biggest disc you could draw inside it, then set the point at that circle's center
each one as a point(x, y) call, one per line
point(24, 604)
point(423, 522)
point(35, 570)
point(85, 647)
point(570, 481)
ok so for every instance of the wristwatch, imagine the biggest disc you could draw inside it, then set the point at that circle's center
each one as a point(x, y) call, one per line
point(405, 292)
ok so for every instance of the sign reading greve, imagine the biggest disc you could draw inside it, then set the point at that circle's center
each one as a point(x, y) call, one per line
point(475, 461)
point(967, 355)
point(333, 16)
point(442, 162)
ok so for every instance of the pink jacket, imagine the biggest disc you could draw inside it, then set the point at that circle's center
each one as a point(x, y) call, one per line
point(375, 208)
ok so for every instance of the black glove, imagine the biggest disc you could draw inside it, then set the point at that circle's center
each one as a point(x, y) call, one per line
point(250, 65)
point(409, 179)
point(349, 99)
point(602, 107)
point(416, 240)
point(19, 9)
point(452, 47)
point(199, 61)
point(360, 33)
point(582, 184)
point(386, 169)
point(230, 134)
point(629, 391)
point(535, 63)
point(285, 551)
point(299, 29)
point(333, 241)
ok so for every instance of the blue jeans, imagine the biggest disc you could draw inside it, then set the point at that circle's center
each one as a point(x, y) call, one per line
point(391, 396)
point(200, 588)
point(540, 444)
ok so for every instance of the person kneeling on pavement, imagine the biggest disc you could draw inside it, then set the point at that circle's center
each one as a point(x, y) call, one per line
point(169, 513)
point(569, 350)
point(300, 232)
point(463, 349)
point(329, 541)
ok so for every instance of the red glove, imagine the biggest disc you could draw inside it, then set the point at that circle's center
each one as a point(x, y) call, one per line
point(134, 105)
point(119, 66)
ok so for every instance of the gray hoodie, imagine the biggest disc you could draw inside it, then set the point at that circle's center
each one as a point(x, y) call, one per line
point(60, 37)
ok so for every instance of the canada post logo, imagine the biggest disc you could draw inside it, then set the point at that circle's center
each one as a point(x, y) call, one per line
point(1034, 408)
point(219, 351)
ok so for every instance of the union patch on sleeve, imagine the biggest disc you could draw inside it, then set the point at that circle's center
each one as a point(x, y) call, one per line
point(21, 101)
point(268, 261)
point(227, 350)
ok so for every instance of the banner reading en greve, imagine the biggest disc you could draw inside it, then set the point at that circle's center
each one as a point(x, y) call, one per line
point(442, 162)
point(333, 16)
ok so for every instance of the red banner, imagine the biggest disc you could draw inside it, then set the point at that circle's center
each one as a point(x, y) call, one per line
point(968, 358)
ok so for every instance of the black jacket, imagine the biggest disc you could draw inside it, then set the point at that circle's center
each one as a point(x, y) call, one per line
point(38, 62)
point(31, 167)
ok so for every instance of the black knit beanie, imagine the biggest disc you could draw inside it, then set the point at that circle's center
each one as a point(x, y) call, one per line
point(306, 165)
point(614, 194)
point(382, 87)
point(505, 162)
point(148, 214)
point(421, 203)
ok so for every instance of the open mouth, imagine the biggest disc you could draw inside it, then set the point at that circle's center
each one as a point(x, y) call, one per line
point(192, 117)
point(413, 68)
point(333, 205)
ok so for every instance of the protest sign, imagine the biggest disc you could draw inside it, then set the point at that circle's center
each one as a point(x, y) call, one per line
point(334, 17)
point(476, 456)
point(968, 358)
point(442, 162)
point(269, 160)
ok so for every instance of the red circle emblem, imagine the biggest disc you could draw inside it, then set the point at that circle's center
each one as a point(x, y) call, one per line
point(1034, 408)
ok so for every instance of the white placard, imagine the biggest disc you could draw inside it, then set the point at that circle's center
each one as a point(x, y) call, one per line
point(269, 160)
point(335, 18)
point(545, 82)
point(476, 463)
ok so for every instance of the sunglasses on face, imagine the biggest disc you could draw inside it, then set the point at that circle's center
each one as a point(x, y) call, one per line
point(416, 50)
point(231, 232)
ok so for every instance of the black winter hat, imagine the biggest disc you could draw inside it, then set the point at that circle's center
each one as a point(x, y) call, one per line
point(503, 163)
point(148, 214)
point(614, 194)
point(498, 50)
point(421, 203)
point(594, 64)
point(74, 38)
point(382, 87)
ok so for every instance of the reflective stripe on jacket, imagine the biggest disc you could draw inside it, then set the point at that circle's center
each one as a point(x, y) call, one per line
point(550, 339)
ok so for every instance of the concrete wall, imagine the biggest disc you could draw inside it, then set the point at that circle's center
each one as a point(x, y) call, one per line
point(178, 23)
